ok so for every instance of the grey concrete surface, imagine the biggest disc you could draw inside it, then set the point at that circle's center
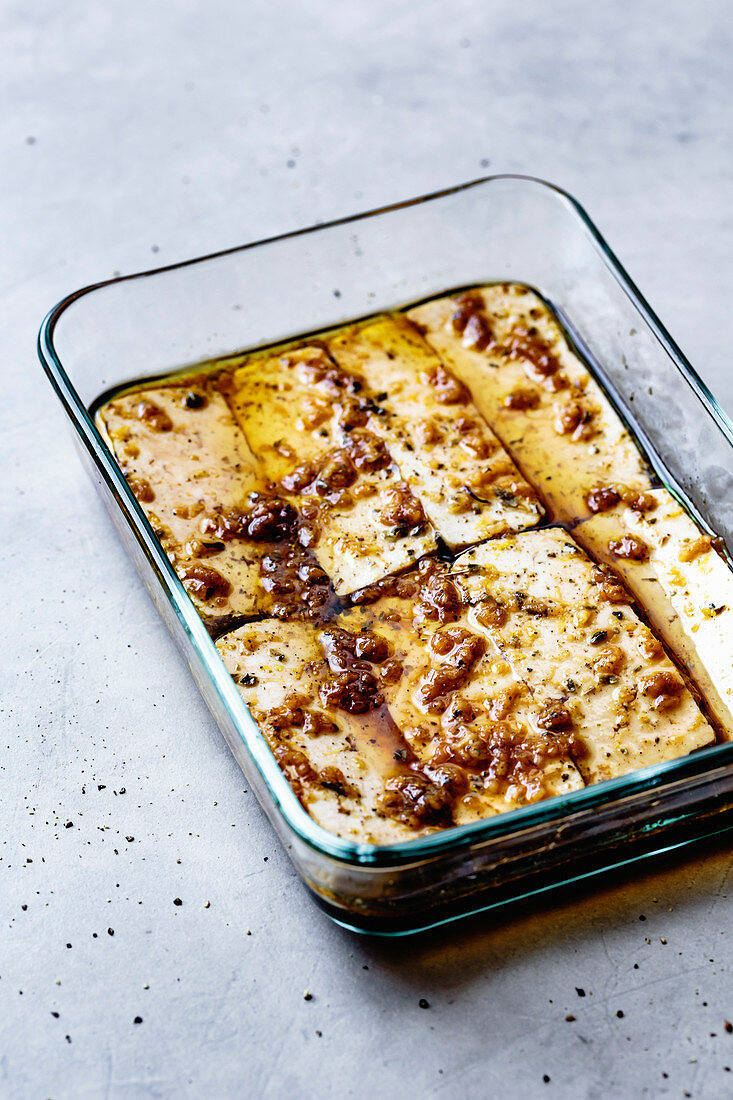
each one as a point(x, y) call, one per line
point(139, 133)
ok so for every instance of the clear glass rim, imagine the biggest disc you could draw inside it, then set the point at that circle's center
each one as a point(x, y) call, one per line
point(299, 821)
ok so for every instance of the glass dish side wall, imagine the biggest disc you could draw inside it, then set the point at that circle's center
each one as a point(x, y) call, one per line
point(497, 871)
point(502, 228)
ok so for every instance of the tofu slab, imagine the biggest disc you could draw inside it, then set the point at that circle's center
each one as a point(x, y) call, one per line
point(184, 464)
point(469, 487)
point(503, 343)
point(683, 584)
point(337, 762)
point(588, 662)
point(293, 407)
point(482, 726)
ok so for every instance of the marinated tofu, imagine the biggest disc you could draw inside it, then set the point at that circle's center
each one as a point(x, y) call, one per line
point(684, 585)
point(566, 629)
point(435, 564)
point(503, 343)
point(453, 463)
point(305, 419)
point(333, 740)
point(464, 716)
point(187, 462)
point(233, 544)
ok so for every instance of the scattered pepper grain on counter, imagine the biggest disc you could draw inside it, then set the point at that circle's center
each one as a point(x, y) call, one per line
point(435, 563)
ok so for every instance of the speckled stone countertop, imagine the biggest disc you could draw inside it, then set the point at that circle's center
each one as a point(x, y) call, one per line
point(156, 940)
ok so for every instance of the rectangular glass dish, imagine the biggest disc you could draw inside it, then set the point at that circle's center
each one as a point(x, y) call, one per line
point(511, 229)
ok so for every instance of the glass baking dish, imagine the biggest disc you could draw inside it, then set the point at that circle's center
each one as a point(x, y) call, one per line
point(503, 228)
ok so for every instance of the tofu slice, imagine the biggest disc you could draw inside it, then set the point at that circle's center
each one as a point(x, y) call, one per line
point(286, 402)
point(336, 762)
point(293, 407)
point(186, 462)
point(480, 728)
point(454, 464)
point(683, 584)
point(589, 664)
point(505, 345)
